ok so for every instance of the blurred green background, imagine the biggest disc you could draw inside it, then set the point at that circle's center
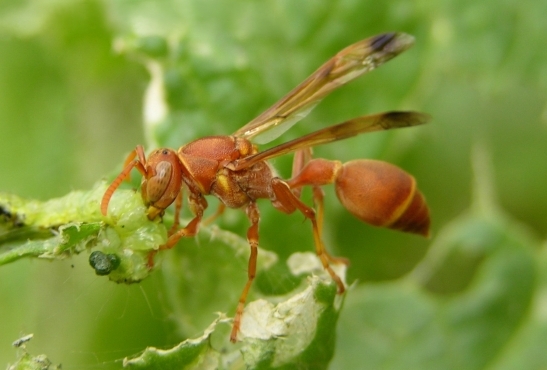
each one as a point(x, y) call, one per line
point(71, 108)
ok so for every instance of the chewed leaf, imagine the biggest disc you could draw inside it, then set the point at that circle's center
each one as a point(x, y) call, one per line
point(27, 361)
point(291, 334)
point(189, 354)
point(73, 224)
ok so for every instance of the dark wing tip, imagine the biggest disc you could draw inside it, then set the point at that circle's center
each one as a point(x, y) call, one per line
point(391, 42)
point(380, 41)
point(404, 119)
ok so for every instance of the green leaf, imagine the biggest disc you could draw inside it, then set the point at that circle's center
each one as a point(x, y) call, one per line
point(190, 354)
point(73, 224)
point(26, 361)
point(287, 335)
point(292, 334)
point(405, 325)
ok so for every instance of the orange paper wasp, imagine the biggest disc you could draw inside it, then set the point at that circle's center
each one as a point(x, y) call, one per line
point(232, 169)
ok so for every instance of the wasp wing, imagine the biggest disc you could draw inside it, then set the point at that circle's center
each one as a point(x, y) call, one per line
point(356, 126)
point(345, 66)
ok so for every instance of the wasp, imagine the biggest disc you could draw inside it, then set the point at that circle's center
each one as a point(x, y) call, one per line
point(232, 168)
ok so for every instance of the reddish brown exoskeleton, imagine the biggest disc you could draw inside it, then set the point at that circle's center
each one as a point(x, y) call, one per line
point(232, 169)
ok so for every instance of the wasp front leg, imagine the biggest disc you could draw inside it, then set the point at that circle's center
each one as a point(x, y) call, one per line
point(135, 159)
point(198, 204)
point(252, 237)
